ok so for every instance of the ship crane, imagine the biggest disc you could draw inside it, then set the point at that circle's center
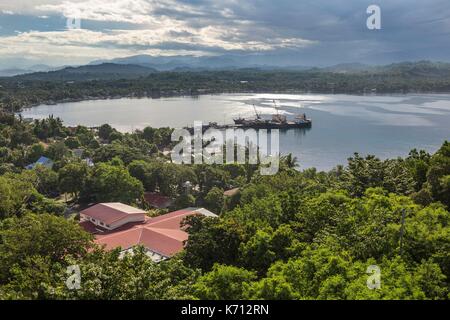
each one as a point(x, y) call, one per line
point(276, 107)
point(258, 116)
point(277, 117)
point(278, 121)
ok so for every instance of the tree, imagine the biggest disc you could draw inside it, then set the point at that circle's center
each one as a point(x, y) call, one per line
point(224, 283)
point(73, 177)
point(418, 162)
point(14, 193)
point(107, 275)
point(321, 213)
point(104, 131)
point(436, 175)
point(43, 235)
point(259, 213)
point(20, 134)
point(72, 142)
point(289, 161)
point(185, 201)
point(273, 288)
point(318, 274)
point(445, 186)
point(152, 135)
point(145, 172)
point(35, 152)
point(39, 204)
point(399, 281)
point(235, 170)
point(214, 200)
point(118, 149)
point(210, 176)
point(427, 236)
point(93, 144)
point(110, 183)
point(47, 181)
point(57, 151)
point(115, 135)
point(257, 254)
point(84, 135)
point(36, 278)
point(371, 172)
point(211, 240)
point(368, 227)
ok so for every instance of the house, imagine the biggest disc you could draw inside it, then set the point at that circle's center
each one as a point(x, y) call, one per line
point(157, 200)
point(111, 216)
point(43, 161)
point(117, 225)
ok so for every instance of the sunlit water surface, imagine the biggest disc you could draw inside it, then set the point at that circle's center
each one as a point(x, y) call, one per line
point(387, 126)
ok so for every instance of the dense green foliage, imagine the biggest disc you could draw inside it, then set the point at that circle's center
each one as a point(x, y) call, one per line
point(293, 235)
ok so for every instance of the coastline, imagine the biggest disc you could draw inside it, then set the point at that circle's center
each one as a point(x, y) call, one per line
point(214, 93)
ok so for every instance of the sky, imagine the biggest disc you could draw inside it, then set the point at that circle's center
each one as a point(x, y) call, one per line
point(284, 32)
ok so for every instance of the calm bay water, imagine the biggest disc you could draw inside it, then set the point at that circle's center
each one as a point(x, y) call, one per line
point(387, 126)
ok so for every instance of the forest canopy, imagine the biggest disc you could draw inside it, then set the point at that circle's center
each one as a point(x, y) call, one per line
point(294, 235)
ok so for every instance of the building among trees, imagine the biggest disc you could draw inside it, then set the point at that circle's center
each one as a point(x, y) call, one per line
point(43, 161)
point(118, 225)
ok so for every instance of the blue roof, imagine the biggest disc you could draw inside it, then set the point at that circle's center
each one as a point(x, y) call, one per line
point(41, 161)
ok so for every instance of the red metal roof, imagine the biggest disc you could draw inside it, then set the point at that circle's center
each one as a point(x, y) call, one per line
point(111, 212)
point(162, 234)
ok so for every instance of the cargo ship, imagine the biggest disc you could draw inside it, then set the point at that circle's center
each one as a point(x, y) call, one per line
point(277, 121)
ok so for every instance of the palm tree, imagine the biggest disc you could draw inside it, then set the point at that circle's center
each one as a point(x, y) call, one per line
point(290, 161)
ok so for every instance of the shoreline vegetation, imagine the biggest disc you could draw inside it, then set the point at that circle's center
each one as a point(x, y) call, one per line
point(70, 85)
point(293, 235)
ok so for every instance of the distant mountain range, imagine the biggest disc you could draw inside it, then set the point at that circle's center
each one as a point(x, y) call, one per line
point(104, 71)
point(194, 63)
point(10, 72)
point(141, 66)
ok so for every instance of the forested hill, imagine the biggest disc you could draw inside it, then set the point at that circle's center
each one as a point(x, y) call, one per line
point(110, 71)
point(422, 69)
point(113, 80)
point(105, 71)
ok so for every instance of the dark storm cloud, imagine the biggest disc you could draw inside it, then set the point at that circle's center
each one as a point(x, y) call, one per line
point(411, 29)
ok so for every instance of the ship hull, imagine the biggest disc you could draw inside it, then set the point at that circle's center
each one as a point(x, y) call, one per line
point(273, 125)
point(257, 125)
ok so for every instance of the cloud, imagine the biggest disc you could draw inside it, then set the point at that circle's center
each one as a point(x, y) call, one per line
point(297, 32)
point(86, 45)
point(134, 11)
point(163, 26)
